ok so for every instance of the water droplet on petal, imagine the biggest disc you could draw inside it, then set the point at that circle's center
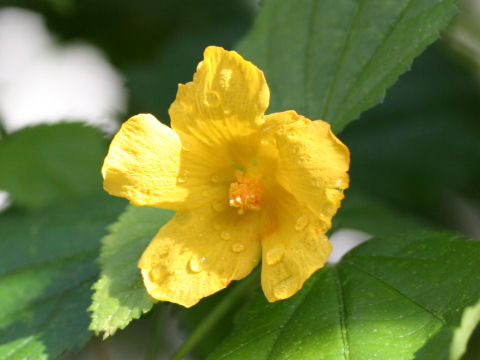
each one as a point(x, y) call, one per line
point(227, 111)
point(215, 179)
point(286, 288)
point(219, 206)
point(217, 226)
point(274, 255)
point(238, 247)
point(187, 146)
point(225, 77)
point(182, 178)
point(301, 223)
point(212, 98)
point(225, 235)
point(194, 265)
point(156, 274)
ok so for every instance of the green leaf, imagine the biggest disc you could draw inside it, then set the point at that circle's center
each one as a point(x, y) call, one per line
point(120, 295)
point(384, 300)
point(334, 59)
point(428, 149)
point(50, 162)
point(457, 337)
point(48, 265)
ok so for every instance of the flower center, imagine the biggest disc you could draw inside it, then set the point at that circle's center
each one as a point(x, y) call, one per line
point(245, 194)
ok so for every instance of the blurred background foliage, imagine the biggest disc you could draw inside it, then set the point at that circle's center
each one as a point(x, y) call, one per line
point(418, 153)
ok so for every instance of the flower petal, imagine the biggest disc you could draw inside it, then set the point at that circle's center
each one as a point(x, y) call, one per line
point(199, 253)
point(294, 246)
point(312, 162)
point(204, 174)
point(223, 106)
point(143, 163)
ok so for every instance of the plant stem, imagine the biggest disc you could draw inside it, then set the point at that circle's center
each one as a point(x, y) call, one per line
point(159, 319)
point(220, 310)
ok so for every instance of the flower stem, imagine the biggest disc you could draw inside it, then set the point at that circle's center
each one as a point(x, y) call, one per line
point(217, 314)
point(159, 319)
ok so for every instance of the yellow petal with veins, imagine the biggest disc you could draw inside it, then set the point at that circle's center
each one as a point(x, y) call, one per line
point(312, 162)
point(199, 253)
point(143, 164)
point(223, 107)
point(294, 245)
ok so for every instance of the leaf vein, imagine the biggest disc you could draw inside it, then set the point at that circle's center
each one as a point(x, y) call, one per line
point(342, 315)
point(398, 64)
point(308, 51)
point(332, 85)
point(379, 47)
point(413, 301)
point(51, 261)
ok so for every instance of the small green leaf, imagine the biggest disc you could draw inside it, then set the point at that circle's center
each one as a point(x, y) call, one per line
point(120, 295)
point(48, 265)
point(50, 162)
point(334, 59)
point(385, 300)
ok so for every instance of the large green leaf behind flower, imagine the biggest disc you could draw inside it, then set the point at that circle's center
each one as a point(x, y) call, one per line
point(386, 299)
point(44, 163)
point(47, 268)
point(331, 59)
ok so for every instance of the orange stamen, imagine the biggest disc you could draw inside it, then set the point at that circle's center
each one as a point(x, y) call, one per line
point(246, 193)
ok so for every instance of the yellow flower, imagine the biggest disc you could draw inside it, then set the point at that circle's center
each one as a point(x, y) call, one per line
point(245, 185)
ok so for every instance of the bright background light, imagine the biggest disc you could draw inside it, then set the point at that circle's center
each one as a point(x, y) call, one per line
point(43, 81)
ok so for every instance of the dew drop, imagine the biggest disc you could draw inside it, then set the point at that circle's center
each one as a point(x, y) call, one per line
point(225, 235)
point(274, 255)
point(225, 77)
point(227, 111)
point(238, 247)
point(301, 223)
point(219, 206)
point(183, 177)
point(217, 226)
point(187, 146)
point(286, 288)
point(212, 98)
point(215, 179)
point(194, 265)
point(156, 274)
